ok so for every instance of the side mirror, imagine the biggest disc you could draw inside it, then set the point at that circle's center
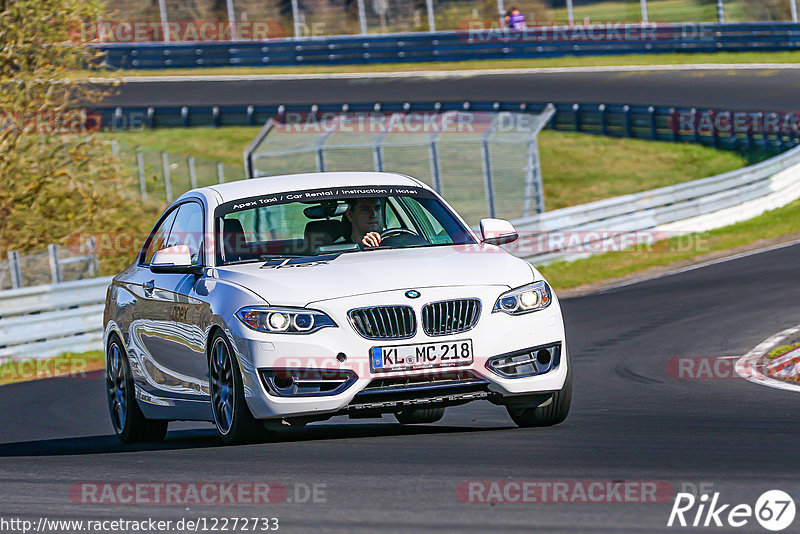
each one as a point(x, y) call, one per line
point(498, 232)
point(175, 259)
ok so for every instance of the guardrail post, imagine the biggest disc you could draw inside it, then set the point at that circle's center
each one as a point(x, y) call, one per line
point(192, 172)
point(165, 171)
point(251, 115)
point(13, 269)
point(720, 12)
point(142, 179)
point(601, 109)
point(653, 125)
point(220, 172)
point(185, 116)
point(215, 116)
point(576, 109)
point(793, 5)
point(151, 118)
point(626, 115)
point(487, 176)
point(55, 268)
point(644, 10)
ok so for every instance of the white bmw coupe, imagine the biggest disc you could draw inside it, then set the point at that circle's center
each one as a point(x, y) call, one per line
point(291, 299)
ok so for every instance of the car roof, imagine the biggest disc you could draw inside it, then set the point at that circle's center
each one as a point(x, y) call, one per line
point(313, 180)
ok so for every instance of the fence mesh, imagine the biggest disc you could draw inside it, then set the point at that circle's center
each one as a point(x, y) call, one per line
point(478, 161)
point(344, 17)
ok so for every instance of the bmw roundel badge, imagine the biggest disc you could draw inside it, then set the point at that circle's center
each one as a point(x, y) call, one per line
point(413, 294)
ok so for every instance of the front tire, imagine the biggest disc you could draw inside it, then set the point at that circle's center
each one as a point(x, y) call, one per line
point(130, 425)
point(235, 424)
point(415, 416)
point(552, 414)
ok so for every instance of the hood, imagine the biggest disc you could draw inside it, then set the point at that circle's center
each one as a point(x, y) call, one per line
point(300, 281)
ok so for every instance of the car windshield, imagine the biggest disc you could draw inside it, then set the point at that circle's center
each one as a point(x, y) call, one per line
point(325, 221)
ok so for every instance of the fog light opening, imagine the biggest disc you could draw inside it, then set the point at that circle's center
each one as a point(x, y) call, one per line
point(543, 357)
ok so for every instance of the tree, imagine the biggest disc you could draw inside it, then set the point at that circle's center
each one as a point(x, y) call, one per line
point(56, 178)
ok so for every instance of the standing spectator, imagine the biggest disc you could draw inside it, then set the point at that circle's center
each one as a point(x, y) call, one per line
point(515, 20)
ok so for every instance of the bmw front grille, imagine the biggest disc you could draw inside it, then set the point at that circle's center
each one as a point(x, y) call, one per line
point(450, 316)
point(384, 322)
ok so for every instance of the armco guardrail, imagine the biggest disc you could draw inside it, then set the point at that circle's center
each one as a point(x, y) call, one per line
point(695, 206)
point(43, 321)
point(550, 41)
point(656, 123)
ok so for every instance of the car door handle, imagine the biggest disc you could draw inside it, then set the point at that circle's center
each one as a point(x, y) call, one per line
point(149, 286)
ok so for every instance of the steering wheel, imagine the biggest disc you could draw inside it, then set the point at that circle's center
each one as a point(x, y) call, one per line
point(397, 231)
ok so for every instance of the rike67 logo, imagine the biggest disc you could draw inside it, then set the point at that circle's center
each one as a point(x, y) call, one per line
point(774, 510)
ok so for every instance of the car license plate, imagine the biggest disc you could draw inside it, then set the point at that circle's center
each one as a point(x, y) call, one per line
point(421, 356)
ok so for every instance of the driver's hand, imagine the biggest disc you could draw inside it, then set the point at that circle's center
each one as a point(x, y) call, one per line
point(372, 239)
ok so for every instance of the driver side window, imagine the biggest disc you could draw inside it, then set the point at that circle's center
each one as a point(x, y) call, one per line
point(188, 230)
point(159, 237)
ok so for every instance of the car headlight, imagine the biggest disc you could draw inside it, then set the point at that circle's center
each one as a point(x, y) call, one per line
point(284, 320)
point(525, 299)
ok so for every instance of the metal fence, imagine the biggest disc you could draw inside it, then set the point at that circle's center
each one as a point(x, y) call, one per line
point(56, 265)
point(484, 163)
point(242, 20)
point(160, 177)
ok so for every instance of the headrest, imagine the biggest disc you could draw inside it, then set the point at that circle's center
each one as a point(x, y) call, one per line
point(330, 228)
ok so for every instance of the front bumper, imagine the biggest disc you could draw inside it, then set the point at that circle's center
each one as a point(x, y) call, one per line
point(342, 349)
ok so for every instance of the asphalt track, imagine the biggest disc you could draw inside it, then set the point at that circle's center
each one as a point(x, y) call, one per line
point(751, 89)
point(630, 421)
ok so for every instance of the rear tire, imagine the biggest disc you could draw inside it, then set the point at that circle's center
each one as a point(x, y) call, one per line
point(235, 424)
point(416, 416)
point(130, 425)
point(552, 414)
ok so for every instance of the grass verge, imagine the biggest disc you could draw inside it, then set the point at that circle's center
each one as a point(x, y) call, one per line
point(566, 61)
point(783, 349)
point(65, 365)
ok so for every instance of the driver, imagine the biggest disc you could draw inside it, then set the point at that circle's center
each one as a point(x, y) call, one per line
point(365, 216)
